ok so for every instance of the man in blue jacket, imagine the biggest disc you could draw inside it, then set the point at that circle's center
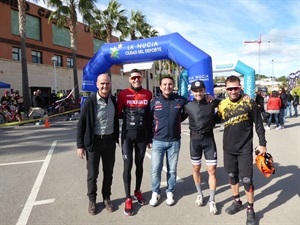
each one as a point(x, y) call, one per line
point(97, 134)
point(167, 111)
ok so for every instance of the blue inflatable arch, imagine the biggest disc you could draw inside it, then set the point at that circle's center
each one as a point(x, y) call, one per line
point(172, 46)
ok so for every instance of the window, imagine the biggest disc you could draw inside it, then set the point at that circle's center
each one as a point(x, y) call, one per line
point(16, 53)
point(97, 44)
point(61, 36)
point(33, 25)
point(59, 60)
point(70, 63)
point(36, 57)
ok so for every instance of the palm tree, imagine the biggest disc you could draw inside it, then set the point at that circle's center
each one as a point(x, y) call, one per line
point(137, 27)
point(22, 32)
point(66, 14)
point(112, 19)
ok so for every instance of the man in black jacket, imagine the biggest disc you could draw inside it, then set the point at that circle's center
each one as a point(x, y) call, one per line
point(97, 135)
point(201, 123)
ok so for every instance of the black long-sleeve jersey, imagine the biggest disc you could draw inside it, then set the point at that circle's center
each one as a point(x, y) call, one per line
point(201, 116)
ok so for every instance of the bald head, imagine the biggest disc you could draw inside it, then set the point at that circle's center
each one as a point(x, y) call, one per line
point(103, 85)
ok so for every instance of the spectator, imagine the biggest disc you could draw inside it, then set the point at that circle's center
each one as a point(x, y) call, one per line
point(295, 103)
point(5, 99)
point(289, 99)
point(273, 108)
point(284, 105)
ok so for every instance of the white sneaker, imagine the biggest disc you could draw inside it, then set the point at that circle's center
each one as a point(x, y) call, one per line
point(154, 199)
point(199, 200)
point(279, 128)
point(170, 198)
point(212, 207)
point(267, 128)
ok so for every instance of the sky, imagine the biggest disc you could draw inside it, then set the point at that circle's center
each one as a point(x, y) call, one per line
point(220, 27)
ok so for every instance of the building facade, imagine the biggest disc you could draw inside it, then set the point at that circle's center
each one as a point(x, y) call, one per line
point(44, 40)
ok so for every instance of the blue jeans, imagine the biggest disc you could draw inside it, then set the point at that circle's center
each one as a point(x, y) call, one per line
point(295, 110)
point(289, 108)
point(282, 116)
point(159, 149)
point(276, 119)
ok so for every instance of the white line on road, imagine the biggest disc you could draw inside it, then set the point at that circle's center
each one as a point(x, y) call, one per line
point(23, 219)
point(16, 163)
point(42, 202)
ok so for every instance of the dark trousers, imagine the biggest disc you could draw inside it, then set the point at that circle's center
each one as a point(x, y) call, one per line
point(133, 140)
point(105, 149)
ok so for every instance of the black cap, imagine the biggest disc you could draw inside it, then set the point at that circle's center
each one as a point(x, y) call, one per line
point(197, 84)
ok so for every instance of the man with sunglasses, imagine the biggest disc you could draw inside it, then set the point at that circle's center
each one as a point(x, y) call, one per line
point(133, 107)
point(238, 116)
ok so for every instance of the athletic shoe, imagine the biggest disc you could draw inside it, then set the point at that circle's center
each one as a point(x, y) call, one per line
point(279, 128)
point(234, 208)
point(170, 199)
point(139, 197)
point(199, 200)
point(154, 199)
point(267, 128)
point(128, 207)
point(250, 217)
point(212, 207)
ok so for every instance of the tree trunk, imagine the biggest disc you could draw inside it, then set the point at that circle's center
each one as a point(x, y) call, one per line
point(22, 31)
point(75, 76)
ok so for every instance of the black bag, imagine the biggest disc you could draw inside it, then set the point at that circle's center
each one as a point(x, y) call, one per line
point(265, 115)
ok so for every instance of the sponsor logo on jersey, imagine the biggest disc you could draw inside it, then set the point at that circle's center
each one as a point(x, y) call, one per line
point(137, 102)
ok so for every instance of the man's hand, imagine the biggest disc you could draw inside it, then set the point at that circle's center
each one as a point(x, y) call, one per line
point(260, 150)
point(209, 98)
point(80, 152)
point(246, 97)
point(149, 145)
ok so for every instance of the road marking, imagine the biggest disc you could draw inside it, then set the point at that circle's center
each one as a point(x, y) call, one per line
point(16, 163)
point(43, 202)
point(23, 219)
point(178, 179)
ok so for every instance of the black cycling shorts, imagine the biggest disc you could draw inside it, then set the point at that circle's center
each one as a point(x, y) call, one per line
point(206, 145)
point(240, 164)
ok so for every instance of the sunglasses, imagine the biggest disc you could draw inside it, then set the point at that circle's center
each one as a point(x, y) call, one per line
point(233, 88)
point(134, 78)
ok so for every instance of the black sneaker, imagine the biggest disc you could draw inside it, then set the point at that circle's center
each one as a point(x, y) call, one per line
point(92, 207)
point(250, 217)
point(234, 208)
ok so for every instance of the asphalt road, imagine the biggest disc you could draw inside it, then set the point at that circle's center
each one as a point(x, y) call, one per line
point(43, 182)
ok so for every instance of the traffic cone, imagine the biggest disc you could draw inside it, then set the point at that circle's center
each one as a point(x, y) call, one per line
point(47, 124)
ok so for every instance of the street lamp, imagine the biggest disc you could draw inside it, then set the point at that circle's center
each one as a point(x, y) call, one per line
point(54, 59)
